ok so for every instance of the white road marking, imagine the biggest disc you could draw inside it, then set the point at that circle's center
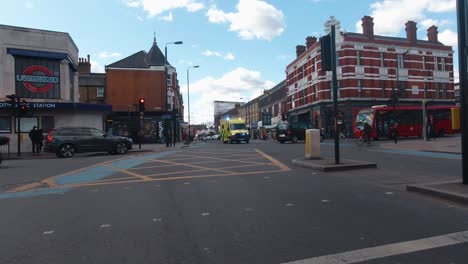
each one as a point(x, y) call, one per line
point(157, 185)
point(94, 190)
point(389, 250)
point(325, 201)
point(388, 193)
point(48, 232)
point(105, 226)
point(266, 177)
point(128, 188)
point(248, 209)
point(186, 183)
point(313, 173)
point(157, 219)
point(289, 204)
point(205, 214)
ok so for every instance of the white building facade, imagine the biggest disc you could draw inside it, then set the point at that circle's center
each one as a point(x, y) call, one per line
point(40, 67)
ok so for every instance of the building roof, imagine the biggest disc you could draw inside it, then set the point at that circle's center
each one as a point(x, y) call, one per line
point(389, 38)
point(142, 59)
point(93, 79)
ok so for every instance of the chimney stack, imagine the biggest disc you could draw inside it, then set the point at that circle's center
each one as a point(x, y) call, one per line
point(368, 27)
point(300, 49)
point(310, 41)
point(411, 31)
point(84, 65)
point(432, 34)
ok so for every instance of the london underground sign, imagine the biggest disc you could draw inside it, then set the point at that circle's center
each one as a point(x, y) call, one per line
point(37, 79)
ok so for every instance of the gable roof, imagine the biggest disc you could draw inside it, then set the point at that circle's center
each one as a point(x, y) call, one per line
point(142, 59)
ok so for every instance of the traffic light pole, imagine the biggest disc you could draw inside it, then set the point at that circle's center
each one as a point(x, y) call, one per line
point(18, 121)
point(462, 12)
point(335, 94)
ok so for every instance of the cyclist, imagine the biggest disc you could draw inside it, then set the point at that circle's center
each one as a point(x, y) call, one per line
point(367, 132)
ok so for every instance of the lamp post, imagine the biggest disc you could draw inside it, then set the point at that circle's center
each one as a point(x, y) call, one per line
point(188, 98)
point(165, 82)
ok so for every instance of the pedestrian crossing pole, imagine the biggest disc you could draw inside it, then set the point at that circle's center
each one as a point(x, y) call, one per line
point(462, 12)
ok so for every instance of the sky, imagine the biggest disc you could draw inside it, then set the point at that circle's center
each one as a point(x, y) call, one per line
point(241, 46)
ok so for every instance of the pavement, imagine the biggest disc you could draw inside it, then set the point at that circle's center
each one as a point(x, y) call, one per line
point(223, 203)
point(446, 144)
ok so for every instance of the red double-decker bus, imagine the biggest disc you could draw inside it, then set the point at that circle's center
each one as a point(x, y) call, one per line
point(409, 119)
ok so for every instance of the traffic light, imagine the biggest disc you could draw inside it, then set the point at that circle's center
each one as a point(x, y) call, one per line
point(326, 50)
point(141, 105)
point(23, 109)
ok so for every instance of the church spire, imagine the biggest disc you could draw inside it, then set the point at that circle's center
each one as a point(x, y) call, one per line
point(154, 37)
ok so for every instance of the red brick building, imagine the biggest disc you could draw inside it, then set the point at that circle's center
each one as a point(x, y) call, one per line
point(371, 71)
point(143, 75)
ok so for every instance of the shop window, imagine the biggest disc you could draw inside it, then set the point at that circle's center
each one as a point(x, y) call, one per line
point(27, 123)
point(100, 92)
point(5, 124)
point(47, 123)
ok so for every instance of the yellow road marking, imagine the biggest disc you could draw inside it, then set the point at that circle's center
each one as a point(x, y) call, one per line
point(27, 187)
point(244, 160)
point(273, 160)
point(128, 172)
point(51, 180)
point(163, 179)
point(195, 166)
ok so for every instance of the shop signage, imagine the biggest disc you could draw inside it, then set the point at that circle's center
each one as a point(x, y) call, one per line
point(37, 79)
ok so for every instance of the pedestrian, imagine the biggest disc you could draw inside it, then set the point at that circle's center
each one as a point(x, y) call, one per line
point(167, 137)
point(395, 132)
point(35, 139)
point(40, 139)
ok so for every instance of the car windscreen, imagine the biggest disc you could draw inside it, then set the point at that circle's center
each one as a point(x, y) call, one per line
point(237, 126)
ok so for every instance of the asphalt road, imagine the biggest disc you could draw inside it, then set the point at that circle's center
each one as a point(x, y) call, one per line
point(216, 203)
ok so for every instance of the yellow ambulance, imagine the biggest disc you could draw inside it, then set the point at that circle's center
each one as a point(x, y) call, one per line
point(234, 130)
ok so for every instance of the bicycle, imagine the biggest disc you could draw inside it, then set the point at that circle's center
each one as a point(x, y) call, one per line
point(362, 140)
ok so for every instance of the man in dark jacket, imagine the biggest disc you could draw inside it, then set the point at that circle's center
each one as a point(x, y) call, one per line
point(36, 139)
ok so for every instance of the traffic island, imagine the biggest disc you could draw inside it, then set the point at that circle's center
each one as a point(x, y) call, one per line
point(453, 191)
point(328, 164)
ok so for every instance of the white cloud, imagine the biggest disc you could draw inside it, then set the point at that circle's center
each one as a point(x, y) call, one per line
point(229, 56)
point(168, 18)
point(456, 75)
point(254, 19)
point(426, 23)
point(106, 55)
point(448, 37)
point(390, 16)
point(157, 7)
point(210, 53)
point(232, 86)
point(96, 67)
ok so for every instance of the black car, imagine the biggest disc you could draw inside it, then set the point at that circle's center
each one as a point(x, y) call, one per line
point(66, 141)
point(291, 132)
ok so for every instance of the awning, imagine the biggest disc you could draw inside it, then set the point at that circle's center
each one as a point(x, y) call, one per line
point(44, 54)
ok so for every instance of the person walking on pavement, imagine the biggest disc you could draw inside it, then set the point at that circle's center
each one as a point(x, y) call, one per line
point(395, 132)
point(40, 139)
point(35, 139)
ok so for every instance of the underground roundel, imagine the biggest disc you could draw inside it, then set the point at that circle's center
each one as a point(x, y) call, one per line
point(37, 79)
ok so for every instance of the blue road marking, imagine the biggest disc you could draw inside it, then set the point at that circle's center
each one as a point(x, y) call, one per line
point(32, 193)
point(88, 175)
point(423, 153)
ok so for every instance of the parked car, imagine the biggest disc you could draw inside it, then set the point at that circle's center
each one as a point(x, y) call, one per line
point(291, 132)
point(215, 137)
point(66, 141)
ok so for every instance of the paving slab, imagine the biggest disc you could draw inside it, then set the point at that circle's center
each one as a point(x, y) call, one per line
point(327, 164)
point(453, 191)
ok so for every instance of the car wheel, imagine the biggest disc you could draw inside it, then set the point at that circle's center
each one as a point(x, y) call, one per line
point(121, 148)
point(295, 139)
point(247, 141)
point(66, 151)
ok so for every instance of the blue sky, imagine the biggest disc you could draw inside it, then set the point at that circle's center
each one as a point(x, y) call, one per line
point(242, 46)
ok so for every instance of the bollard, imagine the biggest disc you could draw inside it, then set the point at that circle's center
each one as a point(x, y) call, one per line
point(312, 144)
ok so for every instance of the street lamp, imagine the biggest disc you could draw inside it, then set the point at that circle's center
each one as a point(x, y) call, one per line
point(188, 98)
point(165, 81)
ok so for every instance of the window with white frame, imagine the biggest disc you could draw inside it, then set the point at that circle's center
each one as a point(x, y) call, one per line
point(100, 92)
point(359, 81)
point(401, 61)
point(442, 62)
point(358, 57)
point(382, 59)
